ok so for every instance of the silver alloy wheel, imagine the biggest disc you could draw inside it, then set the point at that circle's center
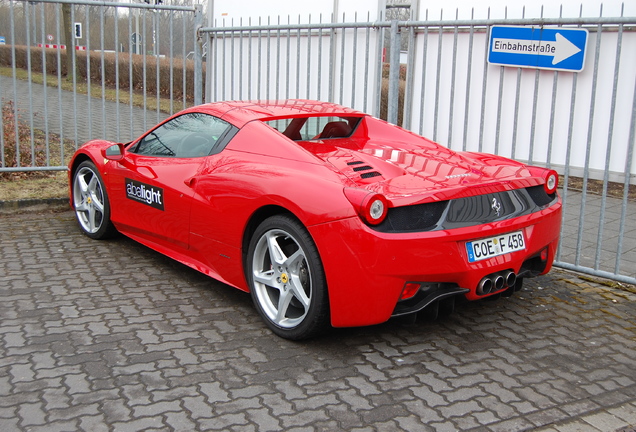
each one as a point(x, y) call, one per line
point(88, 200)
point(282, 278)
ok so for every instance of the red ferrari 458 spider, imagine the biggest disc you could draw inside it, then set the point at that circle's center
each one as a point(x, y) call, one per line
point(326, 215)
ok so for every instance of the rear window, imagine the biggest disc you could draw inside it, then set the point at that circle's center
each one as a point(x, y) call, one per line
point(315, 128)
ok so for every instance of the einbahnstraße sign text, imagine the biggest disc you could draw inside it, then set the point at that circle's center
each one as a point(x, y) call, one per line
point(535, 47)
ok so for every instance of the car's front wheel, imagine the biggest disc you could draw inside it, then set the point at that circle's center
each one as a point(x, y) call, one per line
point(90, 202)
point(287, 280)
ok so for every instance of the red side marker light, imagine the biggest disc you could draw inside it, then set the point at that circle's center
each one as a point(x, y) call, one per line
point(409, 290)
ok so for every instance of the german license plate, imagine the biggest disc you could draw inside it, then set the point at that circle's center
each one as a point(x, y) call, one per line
point(494, 246)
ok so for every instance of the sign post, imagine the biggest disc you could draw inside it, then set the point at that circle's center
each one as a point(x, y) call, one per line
point(135, 38)
point(538, 47)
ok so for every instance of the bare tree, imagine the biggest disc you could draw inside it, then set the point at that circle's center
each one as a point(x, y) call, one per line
point(400, 10)
point(68, 38)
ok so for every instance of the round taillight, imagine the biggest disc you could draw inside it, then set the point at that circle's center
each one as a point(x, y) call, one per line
point(371, 207)
point(551, 182)
point(375, 208)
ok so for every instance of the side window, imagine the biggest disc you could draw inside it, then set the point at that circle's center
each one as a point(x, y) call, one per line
point(187, 136)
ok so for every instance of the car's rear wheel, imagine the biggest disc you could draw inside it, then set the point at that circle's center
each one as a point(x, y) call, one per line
point(287, 280)
point(90, 201)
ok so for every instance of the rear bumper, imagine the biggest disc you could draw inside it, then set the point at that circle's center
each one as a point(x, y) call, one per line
point(367, 270)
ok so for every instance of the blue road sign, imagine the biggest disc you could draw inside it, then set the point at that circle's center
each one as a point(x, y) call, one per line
point(538, 47)
point(2, 40)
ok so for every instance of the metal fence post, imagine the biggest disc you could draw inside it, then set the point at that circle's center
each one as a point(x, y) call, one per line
point(198, 56)
point(394, 73)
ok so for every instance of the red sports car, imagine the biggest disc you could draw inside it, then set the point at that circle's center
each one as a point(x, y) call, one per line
point(326, 215)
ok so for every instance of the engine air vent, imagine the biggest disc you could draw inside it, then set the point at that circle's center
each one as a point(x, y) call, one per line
point(362, 168)
point(370, 174)
point(366, 171)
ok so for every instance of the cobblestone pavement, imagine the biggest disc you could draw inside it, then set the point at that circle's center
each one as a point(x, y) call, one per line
point(112, 336)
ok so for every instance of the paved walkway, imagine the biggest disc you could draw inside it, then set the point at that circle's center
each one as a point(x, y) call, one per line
point(589, 250)
point(109, 335)
point(82, 118)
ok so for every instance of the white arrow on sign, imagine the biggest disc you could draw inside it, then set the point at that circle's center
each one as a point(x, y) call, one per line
point(560, 49)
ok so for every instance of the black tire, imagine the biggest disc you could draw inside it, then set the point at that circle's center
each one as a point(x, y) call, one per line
point(90, 201)
point(296, 272)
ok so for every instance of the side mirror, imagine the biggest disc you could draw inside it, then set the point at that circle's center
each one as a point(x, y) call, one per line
point(114, 152)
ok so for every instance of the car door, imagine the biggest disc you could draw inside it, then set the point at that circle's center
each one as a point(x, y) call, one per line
point(152, 186)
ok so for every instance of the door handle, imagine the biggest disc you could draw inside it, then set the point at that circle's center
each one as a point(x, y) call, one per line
point(146, 171)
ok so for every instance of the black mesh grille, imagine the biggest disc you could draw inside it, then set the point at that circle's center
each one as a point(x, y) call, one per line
point(540, 196)
point(365, 171)
point(421, 217)
point(362, 168)
point(370, 174)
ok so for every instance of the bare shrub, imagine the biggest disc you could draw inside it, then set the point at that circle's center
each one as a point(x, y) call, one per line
point(89, 64)
point(27, 155)
point(384, 101)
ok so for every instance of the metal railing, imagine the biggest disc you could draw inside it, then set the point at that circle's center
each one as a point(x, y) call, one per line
point(107, 84)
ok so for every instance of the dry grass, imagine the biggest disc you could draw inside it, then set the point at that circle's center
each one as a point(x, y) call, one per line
point(595, 187)
point(31, 184)
point(53, 186)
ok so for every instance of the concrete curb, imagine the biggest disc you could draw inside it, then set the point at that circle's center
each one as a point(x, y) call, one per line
point(11, 206)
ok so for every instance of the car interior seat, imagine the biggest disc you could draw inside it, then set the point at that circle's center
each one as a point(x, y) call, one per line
point(336, 129)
